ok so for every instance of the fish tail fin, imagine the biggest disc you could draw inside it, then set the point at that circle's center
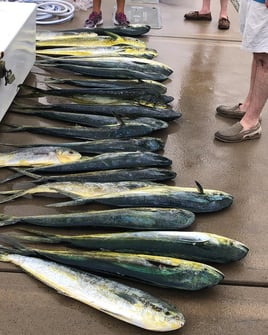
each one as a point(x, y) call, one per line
point(15, 128)
point(34, 91)
point(31, 107)
point(43, 57)
point(27, 173)
point(21, 111)
point(10, 145)
point(7, 220)
point(37, 236)
point(11, 245)
point(16, 194)
point(11, 177)
point(51, 80)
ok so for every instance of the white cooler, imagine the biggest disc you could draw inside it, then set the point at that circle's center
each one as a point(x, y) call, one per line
point(17, 48)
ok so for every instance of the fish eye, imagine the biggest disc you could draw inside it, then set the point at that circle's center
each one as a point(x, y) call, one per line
point(72, 152)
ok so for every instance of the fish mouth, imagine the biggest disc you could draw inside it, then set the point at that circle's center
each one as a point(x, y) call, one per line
point(242, 248)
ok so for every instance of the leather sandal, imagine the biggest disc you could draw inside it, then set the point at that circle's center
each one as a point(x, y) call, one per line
point(224, 23)
point(196, 16)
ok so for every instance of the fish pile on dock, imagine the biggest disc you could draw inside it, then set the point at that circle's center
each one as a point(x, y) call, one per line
point(116, 103)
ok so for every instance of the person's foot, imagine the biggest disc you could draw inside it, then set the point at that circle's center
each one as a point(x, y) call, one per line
point(196, 16)
point(94, 20)
point(224, 23)
point(232, 112)
point(120, 19)
point(236, 133)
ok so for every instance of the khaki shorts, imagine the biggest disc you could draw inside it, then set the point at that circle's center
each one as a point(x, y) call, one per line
point(254, 26)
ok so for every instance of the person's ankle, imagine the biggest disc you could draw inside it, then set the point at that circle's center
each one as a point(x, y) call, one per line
point(248, 124)
point(243, 107)
point(203, 12)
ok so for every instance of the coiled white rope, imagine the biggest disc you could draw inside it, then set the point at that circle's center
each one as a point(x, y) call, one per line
point(52, 12)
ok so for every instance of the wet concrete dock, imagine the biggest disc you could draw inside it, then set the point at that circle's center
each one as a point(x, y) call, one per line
point(209, 69)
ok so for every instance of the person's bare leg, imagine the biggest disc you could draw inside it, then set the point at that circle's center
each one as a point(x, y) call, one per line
point(120, 6)
point(96, 6)
point(224, 8)
point(205, 9)
point(243, 107)
point(259, 92)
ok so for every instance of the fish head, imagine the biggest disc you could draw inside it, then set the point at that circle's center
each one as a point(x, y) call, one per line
point(219, 199)
point(239, 249)
point(207, 200)
point(165, 318)
point(66, 155)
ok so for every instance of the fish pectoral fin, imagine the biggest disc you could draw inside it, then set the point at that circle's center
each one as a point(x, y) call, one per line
point(115, 315)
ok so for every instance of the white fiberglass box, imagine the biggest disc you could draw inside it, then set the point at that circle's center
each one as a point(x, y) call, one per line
point(17, 47)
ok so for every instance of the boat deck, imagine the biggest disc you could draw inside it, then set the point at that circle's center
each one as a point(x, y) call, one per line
point(209, 69)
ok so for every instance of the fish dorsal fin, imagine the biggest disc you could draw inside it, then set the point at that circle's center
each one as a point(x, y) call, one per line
point(119, 119)
point(199, 187)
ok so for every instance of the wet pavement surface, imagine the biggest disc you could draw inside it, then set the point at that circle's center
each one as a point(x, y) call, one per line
point(209, 69)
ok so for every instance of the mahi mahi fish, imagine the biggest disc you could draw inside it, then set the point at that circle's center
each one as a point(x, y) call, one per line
point(114, 175)
point(97, 95)
point(115, 131)
point(84, 39)
point(132, 29)
point(131, 194)
point(74, 189)
point(38, 156)
point(99, 51)
point(108, 161)
point(125, 303)
point(128, 218)
point(168, 272)
point(101, 146)
point(128, 110)
point(115, 84)
point(115, 67)
point(191, 245)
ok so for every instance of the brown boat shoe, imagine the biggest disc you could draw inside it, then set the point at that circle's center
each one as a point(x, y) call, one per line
point(236, 133)
point(196, 16)
point(232, 112)
point(224, 23)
